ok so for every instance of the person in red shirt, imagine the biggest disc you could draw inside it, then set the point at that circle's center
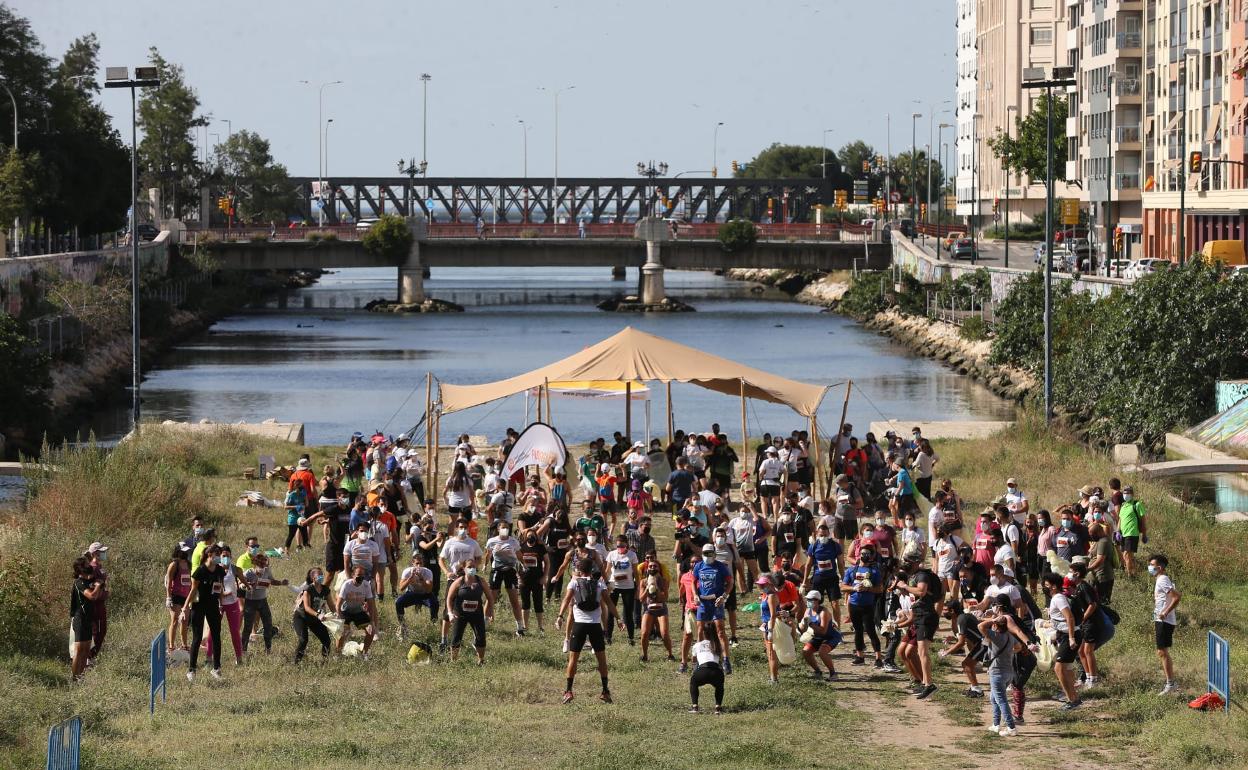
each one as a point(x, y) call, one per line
point(856, 463)
point(688, 601)
point(304, 477)
point(778, 598)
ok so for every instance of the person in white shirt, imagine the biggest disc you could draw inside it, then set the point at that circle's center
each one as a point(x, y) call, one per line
point(621, 571)
point(945, 547)
point(503, 552)
point(913, 539)
point(638, 462)
point(769, 472)
point(709, 671)
point(788, 455)
point(1063, 620)
point(1016, 501)
point(381, 535)
point(356, 607)
point(586, 598)
point(1000, 583)
point(490, 481)
point(1165, 598)
point(499, 508)
point(709, 500)
point(741, 533)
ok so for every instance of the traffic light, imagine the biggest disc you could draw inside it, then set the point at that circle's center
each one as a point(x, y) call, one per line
point(1195, 161)
point(996, 204)
point(714, 172)
point(223, 204)
point(735, 166)
point(923, 210)
point(1117, 240)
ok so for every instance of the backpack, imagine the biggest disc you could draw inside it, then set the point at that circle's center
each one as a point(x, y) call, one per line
point(586, 595)
point(935, 586)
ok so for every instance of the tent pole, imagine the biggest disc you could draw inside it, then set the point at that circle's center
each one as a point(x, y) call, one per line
point(814, 436)
point(546, 385)
point(628, 410)
point(849, 385)
point(539, 405)
point(647, 424)
point(437, 430)
point(745, 439)
point(668, 385)
point(428, 435)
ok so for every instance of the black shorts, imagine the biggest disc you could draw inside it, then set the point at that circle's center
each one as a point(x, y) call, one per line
point(972, 656)
point(804, 475)
point(178, 601)
point(925, 625)
point(456, 510)
point(607, 506)
point(464, 620)
point(847, 529)
point(768, 490)
point(827, 583)
point(1131, 543)
point(80, 628)
point(587, 631)
point(731, 604)
point(1065, 653)
point(502, 576)
point(723, 481)
point(333, 557)
point(359, 619)
point(656, 610)
point(1163, 633)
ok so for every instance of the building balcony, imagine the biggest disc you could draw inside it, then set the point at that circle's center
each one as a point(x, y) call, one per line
point(1072, 169)
point(1127, 87)
point(1129, 181)
point(1127, 134)
point(1129, 41)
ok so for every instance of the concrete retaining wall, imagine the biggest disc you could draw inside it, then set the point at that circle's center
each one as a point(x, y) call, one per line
point(82, 266)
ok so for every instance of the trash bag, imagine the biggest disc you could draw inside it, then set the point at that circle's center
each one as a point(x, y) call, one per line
point(420, 654)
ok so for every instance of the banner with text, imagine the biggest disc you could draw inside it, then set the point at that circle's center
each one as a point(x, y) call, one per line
point(539, 445)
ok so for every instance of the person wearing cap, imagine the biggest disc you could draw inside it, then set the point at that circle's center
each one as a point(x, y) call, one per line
point(823, 569)
point(769, 472)
point(303, 478)
point(1015, 500)
point(1067, 642)
point(713, 582)
point(204, 607)
point(637, 461)
point(818, 619)
point(83, 593)
point(607, 479)
point(97, 554)
point(1132, 527)
point(177, 587)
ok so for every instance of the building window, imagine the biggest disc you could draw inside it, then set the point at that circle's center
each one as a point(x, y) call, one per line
point(1041, 35)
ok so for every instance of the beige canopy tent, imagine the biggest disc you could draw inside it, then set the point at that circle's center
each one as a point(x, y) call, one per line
point(633, 355)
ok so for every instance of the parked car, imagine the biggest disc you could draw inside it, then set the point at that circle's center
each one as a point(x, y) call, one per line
point(963, 249)
point(147, 232)
point(364, 225)
point(1142, 267)
point(907, 228)
point(1117, 267)
point(1077, 253)
point(951, 238)
point(1238, 270)
point(1228, 253)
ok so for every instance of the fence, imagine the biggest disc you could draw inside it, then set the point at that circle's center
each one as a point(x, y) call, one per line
point(64, 742)
point(1218, 663)
point(942, 306)
point(53, 334)
point(158, 672)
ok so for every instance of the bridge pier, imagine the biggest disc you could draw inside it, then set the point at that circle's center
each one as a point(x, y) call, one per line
point(652, 289)
point(412, 273)
point(618, 272)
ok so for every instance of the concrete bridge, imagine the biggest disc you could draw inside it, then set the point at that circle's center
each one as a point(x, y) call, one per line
point(651, 248)
point(1170, 468)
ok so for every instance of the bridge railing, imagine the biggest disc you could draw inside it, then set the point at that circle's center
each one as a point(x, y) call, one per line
point(788, 231)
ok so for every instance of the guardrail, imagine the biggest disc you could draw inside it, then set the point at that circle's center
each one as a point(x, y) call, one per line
point(945, 307)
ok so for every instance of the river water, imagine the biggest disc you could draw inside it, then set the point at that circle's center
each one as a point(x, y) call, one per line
point(320, 361)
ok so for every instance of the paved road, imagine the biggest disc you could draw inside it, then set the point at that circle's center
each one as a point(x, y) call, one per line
point(992, 253)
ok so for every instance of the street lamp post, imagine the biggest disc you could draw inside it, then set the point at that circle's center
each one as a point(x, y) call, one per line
point(525, 128)
point(327, 122)
point(715, 151)
point(554, 190)
point(1033, 78)
point(650, 171)
point(17, 221)
point(944, 173)
point(1183, 170)
point(425, 77)
point(1008, 174)
point(979, 196)
point(931, 120)
point(914, 188)
point(144, 77)
point(320, 147)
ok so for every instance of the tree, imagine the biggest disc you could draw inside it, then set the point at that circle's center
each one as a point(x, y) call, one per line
point(24, 381)
point(17, 187)
point(390, 238)
point(1024, 153)
point(853, 155)
point(901, 181)
point(27, 72)
point(792, 161)
point(166, 115)
point(264, 187)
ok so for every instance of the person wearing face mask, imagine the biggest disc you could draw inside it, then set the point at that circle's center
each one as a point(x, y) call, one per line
point(784, 535)
point(229, 600)
point(81, 601)
point(1002, 637)
point(256, 606)
point(823, 569)
point(714, 583)
point(1015, 500)
point(416, 589)
point(197, 532)
point(251, 547)
point(362, 551)
point(1101, 562)
point(204, 607)
point(177, 588)
point(652, 596)
point(1003, 555)
point(946, 547)
point(535, 569)
point(864, 584)
point(502, 554)
point(1165, 598)
point(779, 603)
point(585, 599)
point(314, 602)
point(557, 533)
point(591, 521)
point(1094, 627)
point(621, 568)
point(427, 542)
point(357, 607)
point(726, 554)
point(818, 619)
point(337, 518)
point(469, 602)
point(1133, 528)
point(457, 550)
point(1067, 642)
point(96, 555)
point(1068, 542)
point(769, 472)
point(1029, 556)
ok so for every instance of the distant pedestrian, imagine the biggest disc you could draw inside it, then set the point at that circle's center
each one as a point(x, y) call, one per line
point(97, 554)
point(581, 228)
point(1165, 598)
point(1132, 527)
point(85, 591)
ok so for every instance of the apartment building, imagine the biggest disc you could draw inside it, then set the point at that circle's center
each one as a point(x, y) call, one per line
point(1195, 97)
point(1104, 42)
point(1010, 36)
point(964, 108)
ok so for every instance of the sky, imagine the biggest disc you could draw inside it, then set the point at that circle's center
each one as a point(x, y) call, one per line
point(652, 79)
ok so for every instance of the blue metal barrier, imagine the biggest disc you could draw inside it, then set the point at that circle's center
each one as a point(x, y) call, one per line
point(63, 744)
point(1219, 668)
point(158, 671)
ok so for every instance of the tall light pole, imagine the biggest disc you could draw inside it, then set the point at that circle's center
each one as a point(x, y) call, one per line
point(17, 221)
point(1183, 169)
point(888, 164)
point(944, 174)
point(525, 127)
point(327, 122)
point(715, 151)
point(144, 77)
point(320, 147)
point(914, 188)
point(932, 148)
point(1009, 132)
point(979, 196)
point(1034, 78)
point(554, 190)
point(1110, 256)
point(425, 77)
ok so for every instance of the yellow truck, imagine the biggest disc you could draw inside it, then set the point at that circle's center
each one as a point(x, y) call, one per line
point(1228, 253)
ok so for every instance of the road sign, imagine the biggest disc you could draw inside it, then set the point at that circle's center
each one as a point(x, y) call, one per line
point(895, 196)
point(1070, 211)
point(862, 190)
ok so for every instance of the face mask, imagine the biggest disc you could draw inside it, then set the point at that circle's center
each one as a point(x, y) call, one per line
point(224, 561)
point(645, 530)
point(994, 580)
point(253, 550)
point(1044, 523)
point(720, 540)
point(319, 580)
point(1152, 570)
point(101, 555)
point(461, 532)
point(361, 536)
point(821, 540)
point(471, 572)
point(1097, 517)
point(531, 540)
point(1067, 523)
point(198, 531)
point(591, 540)
point(1128, 497)
point(786, 566)
point(621, 547)
point(879, 522)
point(909, 523)
point(504, 532)
point(708, 558)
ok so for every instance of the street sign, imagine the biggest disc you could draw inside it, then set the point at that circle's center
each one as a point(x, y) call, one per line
point(951, 202)
point(861, 190)
point(1070, 211)
point(895, 196)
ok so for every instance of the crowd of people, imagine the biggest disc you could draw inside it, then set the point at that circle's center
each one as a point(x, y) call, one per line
point(888, 550)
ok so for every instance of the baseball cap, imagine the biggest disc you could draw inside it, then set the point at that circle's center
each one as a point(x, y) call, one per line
point(708, 548)
point(638, 445)
point(841, 477)
point(1011, 481)
point(304, 463)
point(771, 450)
point(605, 467)
point(1086, 490)
point(96, 547)
point(813, 595)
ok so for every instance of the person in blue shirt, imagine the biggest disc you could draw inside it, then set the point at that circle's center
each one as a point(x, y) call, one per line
point(714, 583)
point(680, 484)
point(823, 568)
point(864, 583)
point(902, 500)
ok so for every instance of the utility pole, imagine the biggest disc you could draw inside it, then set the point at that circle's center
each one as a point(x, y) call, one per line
point(1183, 169)
point(1009, 130)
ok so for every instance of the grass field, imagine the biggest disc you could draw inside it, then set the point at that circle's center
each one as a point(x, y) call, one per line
point(383, 712)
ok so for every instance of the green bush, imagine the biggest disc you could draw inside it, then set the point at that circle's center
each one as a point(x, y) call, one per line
point(390, 238)
point(973, 329)
point(24, 382)
point(1022, 231)
point(737, 234)
point(872, 292)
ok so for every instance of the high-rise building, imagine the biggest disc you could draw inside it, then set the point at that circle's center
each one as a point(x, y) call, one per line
point(1009, 37)
point(1194, 101)
point(1104, 42)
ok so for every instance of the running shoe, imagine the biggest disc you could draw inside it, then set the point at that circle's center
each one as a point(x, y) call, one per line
point(190, 676)
point(683, 669)
point(818, 675)
point(519, 633)
point(1006, 732)
point(567, 697)
point(1170, 688)
point(889, 668)
point(973, 692)
point(879, 663)
point(733, 642)
point(1060, 697)
point(1019, 721)
point(693, 710)
point(216, 673)
point(831, 676)
point(727, 666)
point(927, 691)
point(719, 711)
point(1071, 706)
point(857, 661)
point(605, 697)
point(994, 729)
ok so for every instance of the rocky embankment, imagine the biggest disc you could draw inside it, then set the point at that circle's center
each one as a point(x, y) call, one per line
point(923, 336)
